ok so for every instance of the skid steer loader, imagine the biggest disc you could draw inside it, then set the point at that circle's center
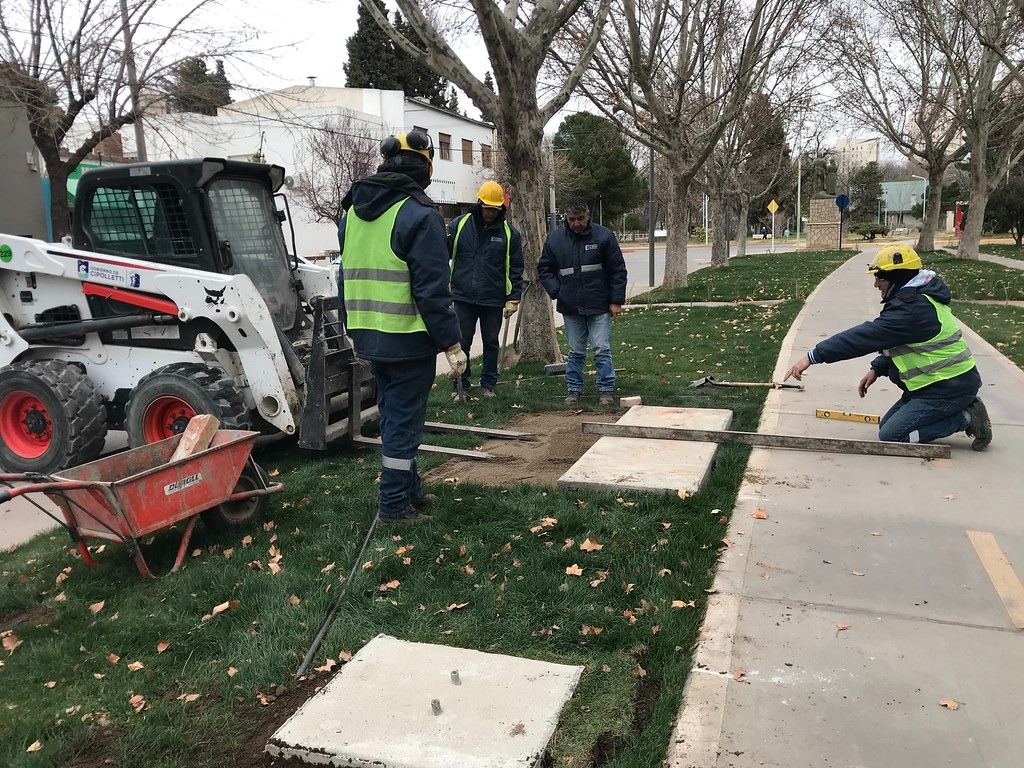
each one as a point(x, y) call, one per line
point(175, 296)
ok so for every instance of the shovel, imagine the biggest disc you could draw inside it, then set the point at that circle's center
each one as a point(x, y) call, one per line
point(770, 384)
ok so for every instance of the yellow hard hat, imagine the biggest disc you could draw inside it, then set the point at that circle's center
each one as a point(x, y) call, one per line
point(413, 141)
point(893, 257)
point(491, 194)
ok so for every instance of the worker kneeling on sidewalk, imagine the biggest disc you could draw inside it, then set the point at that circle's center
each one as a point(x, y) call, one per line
point(922, 351)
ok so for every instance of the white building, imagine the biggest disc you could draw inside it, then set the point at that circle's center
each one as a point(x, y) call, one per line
point(852, 154)
point(276, 125)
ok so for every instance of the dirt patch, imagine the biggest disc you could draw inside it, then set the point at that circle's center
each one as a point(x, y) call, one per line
point(558, 445)
point(36, 616)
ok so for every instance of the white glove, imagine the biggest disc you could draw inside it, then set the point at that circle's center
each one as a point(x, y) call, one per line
point(511, 307)
point(456, 359)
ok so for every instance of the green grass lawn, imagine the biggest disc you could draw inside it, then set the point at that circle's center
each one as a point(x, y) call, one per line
point(495, 571)
point(1008, 251)
point(1000, 326)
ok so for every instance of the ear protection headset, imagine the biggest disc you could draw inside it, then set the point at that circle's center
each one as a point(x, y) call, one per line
point(417, 142)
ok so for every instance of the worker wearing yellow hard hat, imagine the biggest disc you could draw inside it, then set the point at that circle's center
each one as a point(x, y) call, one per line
point(486, 277)
point(920, 348)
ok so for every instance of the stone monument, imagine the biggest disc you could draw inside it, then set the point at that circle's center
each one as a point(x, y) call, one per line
point(823, 227)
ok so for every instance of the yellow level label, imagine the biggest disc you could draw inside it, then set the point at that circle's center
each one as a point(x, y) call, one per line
point(867, 418)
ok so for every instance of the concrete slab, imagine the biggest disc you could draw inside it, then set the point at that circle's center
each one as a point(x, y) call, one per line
point(377, 711)
point(616, 463)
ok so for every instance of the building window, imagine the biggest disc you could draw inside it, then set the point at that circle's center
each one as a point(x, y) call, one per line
point(444, 146)
point(485, 156)
point(467, 152)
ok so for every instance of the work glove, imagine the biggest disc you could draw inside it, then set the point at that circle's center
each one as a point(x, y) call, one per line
point(456, 359)
point(511, 307)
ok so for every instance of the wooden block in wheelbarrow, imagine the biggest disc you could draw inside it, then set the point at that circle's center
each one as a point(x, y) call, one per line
point(197, 436)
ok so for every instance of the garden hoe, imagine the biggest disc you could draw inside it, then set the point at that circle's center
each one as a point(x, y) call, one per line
point(770, 384)
point(510, 357)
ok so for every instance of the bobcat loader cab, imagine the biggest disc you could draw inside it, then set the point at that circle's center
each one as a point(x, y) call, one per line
point(177, 296)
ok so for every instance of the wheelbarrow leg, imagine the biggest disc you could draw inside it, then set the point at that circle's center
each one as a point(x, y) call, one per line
point(185, 538)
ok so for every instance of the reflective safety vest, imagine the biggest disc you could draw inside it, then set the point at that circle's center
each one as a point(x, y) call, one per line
point(942, 357)
point(508, 245)
point(378, 289)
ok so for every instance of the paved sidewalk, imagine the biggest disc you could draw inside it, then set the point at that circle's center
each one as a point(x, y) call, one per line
point(843, 619)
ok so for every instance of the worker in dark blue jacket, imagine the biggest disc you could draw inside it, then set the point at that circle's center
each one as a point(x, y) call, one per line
point(397, 307)
point(487, 277)
point(582, 268)
point(922, 351)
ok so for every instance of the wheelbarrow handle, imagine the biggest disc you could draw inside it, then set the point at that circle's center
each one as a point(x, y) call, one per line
point(53, 485)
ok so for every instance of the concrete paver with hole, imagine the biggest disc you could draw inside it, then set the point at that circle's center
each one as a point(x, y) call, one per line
point(398, 704)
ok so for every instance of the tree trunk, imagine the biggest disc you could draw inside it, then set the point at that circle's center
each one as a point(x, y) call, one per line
point(720, 245)
point(678, 225)
point(60, 211)
point(970, 239)
point(528, 193)
point(741, 233)
point(932, 216)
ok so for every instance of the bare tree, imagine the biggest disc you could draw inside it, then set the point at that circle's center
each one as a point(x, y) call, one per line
point(518, 36)
point(330, 156)
point(894, 79)
point(987, 102)
point(676, 74)
point(67, 63)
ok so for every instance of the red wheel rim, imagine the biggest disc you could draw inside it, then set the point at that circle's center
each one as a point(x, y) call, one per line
point(25, 424)
point(166, 417)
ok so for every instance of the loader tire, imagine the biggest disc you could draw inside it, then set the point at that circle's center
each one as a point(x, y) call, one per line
point(162, 403)
point(236, 514)
point(51, 417)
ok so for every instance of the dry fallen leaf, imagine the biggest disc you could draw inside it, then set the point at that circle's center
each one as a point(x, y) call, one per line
point(759, 514)
point(327, 667)
point(113, 658)
point(274, 568)
point(97, 607)
point(294, 600)
point(232, 671)
point(857, 573)
point(225, 606)
point(138, 703)
point(588, 630)
point(457, 606)
point(162, 646)
point(11, 642)
point(739, 675)
point(681, 493)
point(50, 684)
point(189, 697)
point(591, 546)
point(393, 584)
point(35, 746)
point(574, 570)
point(135, 666)
point(684, 604)
point(842, 627)
point(345, 656)
point(952, 704)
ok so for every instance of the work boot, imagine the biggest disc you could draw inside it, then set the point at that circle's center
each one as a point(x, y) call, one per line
point(423, 501)
point(573, 399)
point(980, 427)
point(487, 392)
point(606, 399)
point(412, 516)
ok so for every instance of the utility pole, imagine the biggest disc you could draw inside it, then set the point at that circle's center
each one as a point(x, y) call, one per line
point(133, 83)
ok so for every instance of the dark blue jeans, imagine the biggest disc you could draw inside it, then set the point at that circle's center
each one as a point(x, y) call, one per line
point(923, 419)
point(402, 392)
point(490, 324)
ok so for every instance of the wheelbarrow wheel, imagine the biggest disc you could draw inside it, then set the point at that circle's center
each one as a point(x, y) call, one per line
point(51, 417)
point(164, 401)
point(236, 514)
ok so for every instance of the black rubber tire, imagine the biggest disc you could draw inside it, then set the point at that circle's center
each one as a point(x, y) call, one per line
point(236, 514)
point(205, 389)
point(76, 421)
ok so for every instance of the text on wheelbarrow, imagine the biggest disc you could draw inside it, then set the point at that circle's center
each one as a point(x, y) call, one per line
point(182, 484)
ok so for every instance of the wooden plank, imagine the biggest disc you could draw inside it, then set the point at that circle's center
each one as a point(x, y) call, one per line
point(1004, 579)
point(196, 438)
point(794, 442)
point(361, 440)
point(440, 426)
point(825, 413)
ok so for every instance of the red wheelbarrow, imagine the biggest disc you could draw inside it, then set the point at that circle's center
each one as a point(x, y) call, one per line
point(129, 495)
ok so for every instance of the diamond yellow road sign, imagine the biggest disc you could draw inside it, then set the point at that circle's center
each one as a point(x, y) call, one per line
point(773, 207)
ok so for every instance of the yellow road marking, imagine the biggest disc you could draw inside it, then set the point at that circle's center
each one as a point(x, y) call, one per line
point(1004, 579)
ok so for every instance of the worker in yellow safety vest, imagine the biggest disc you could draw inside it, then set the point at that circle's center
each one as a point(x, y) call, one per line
point(921, 349)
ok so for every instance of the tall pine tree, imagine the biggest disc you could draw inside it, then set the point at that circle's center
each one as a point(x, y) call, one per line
point(195, 89)
point(375, 62)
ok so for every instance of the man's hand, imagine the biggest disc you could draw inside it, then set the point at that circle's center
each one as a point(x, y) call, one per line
point(511, 307)
point(869, 378)
point(614, 309)
point(456, 359)
point(797, 371)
